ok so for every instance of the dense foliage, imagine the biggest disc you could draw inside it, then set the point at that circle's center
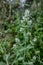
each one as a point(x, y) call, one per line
point(21, 35)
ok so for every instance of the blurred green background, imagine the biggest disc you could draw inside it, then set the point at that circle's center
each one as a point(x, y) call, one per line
point(21, 32)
